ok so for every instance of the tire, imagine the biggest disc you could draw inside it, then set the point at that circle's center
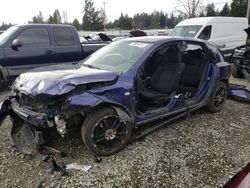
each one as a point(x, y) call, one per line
point(218, 97)
point(104, 134)
point(236, 72)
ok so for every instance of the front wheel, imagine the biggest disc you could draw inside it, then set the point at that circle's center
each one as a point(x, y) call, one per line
point(218, 97)
point(104, 133)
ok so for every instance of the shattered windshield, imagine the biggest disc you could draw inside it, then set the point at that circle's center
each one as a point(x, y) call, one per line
point(186, 31)
point(4, 37)
point(118, 56)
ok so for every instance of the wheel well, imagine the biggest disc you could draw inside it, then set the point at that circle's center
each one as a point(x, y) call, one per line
point(226, 81)
point(114, 106)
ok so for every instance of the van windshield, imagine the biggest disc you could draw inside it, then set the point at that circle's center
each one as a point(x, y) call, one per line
point(186, 31)
point(4, 37)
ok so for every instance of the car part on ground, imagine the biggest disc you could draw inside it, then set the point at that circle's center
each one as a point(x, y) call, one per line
point(239, 92)
point(103, 95)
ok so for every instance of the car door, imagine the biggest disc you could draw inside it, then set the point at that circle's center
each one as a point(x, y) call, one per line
point(35, 50)
point(67, 46)
point(173, 104)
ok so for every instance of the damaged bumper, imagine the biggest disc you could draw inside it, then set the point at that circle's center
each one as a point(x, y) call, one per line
point(25, 133)
point(9, 106)
point(4, 109)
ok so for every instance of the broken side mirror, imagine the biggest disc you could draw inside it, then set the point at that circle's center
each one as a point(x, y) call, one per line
point(16, 44)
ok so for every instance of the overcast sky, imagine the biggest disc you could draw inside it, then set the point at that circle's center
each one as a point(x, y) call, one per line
point(21, 11)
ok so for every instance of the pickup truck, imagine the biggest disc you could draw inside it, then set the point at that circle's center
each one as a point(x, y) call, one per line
point(24, 47)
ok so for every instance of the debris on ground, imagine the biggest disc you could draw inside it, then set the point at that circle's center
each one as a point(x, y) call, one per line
point(75, 166)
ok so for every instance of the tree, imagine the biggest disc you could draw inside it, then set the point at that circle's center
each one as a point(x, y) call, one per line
point(163, 20)
point(92, 19)
point(238, 8)
point(155, 18)
point(38, 18)
point(189, 8)
point(124, 22)
point(77, 24)
point(50, 20)
point(225, 11)
point(202, 14)
point(210, 10)
point(57, 17)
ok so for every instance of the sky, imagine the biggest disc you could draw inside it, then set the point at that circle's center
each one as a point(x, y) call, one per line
point(22, 11)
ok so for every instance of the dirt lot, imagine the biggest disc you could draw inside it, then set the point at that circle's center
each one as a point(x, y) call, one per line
point(204, 150)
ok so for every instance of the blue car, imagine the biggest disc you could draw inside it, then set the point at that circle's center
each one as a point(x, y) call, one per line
point(120, 93)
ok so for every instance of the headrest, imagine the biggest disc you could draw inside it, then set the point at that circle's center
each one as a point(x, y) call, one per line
point(172, 55)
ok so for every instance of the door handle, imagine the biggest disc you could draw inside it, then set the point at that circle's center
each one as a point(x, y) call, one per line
point(50, 52)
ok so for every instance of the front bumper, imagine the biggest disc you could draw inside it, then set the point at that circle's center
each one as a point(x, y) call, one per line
point(9, 106)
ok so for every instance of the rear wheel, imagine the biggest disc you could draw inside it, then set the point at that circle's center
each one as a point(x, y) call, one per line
point(236, 72)
point(104, 133)
point(218, 97)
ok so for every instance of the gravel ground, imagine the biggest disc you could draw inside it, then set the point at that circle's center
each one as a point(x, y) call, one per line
point(205, 150)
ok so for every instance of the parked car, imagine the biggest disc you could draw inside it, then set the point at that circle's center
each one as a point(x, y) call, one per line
point(121, 92)
point(24, 47)
point(241, 59)
point(226, 32)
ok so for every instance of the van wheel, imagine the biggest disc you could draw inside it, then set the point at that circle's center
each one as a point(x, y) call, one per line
point(218, 97)
point(236, 72)
point(104, 133)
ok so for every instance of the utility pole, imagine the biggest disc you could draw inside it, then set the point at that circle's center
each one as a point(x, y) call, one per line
point(248, 12)
point(104, 9)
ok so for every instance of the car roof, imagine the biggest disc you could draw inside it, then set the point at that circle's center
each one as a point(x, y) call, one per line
point(160, 39)
point(209, 20)
point(46, 25)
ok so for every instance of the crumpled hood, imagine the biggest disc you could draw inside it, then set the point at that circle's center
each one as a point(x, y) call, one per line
point(59, 79)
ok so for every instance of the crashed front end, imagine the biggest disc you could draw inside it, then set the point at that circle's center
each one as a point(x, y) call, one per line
point(34, 109)
point(30, 118)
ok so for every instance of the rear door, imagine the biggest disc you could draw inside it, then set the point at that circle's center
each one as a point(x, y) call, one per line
point(67, 45)
point(36, 50)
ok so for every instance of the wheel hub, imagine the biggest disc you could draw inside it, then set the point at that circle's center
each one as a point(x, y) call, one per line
point(110, 134)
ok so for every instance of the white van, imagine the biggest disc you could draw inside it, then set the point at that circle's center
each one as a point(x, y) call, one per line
point(226, 32)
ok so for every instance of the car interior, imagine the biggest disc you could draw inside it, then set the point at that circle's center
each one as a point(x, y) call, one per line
point(171, 70)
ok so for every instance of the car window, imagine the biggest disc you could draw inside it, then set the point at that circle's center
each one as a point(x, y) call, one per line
point(193, 52)
point(215, 53)
point(206, 33)
point(63, 36)
point(37, 37)
point(186, 31)
point(5, 36)
point(118, 56)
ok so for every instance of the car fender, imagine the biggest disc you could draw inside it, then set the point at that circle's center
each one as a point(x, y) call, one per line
point(87, 101)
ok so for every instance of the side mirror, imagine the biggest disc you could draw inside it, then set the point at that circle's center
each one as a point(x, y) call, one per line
point(16, 44)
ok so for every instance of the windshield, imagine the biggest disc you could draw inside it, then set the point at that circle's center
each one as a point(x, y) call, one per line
point(4, 37)
point(118, 56)
point(186, 31)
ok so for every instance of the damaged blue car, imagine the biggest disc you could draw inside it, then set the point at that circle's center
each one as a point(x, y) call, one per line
point(120, 93)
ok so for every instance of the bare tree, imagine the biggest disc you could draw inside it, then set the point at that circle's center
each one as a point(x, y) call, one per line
point(189, 8)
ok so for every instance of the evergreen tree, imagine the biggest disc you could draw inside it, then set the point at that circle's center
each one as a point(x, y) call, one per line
point(225, 11)
point(202, 14)
point(76, 24)
point(163, 20)
point(50, 20)
point(92, 19)
point(238, 8)
point(57, 17)
point(38, 18)
point(210, 10)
